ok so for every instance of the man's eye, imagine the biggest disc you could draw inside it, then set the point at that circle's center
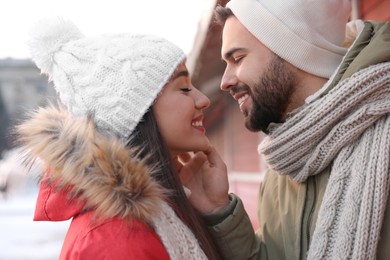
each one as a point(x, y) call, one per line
point(237, 59)
point(185, 89)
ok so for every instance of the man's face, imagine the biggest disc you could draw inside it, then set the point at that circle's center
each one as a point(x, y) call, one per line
point(261, 82)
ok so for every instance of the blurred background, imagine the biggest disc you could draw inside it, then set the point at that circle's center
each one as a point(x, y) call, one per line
point(22, 89)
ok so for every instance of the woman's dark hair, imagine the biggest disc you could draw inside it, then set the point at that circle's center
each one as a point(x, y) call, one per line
point(148, 136)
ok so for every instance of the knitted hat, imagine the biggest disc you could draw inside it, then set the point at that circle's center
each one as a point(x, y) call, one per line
point(114, 77)
point(307, 33)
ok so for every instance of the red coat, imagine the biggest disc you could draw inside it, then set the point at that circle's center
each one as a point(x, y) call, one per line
point(113, 238)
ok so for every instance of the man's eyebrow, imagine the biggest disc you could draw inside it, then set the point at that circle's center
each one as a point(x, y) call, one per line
point(228, 55)
point(182, 73)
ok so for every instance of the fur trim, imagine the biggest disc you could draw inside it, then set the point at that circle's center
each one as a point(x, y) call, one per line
point(99, 169)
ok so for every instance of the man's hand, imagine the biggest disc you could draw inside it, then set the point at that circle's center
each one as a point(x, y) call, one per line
point(205, 175)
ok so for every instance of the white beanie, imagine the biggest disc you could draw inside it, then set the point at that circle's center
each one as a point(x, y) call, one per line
point(307, 33)
point(114, 77)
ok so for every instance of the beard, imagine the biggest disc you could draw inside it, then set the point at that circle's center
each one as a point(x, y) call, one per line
point(271, 96)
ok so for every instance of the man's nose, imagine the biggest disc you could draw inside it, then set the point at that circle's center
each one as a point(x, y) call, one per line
point(228, 80)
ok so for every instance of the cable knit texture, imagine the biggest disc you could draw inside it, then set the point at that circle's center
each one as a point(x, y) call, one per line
point(115, 77)
point(179, 241)
point(349, 129)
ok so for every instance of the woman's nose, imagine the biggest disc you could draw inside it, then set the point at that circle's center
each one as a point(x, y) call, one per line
point(202, 101)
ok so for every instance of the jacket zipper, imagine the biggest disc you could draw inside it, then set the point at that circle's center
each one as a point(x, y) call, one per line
point(309, 220)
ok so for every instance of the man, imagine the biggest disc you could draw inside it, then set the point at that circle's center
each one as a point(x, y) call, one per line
point(320, 90)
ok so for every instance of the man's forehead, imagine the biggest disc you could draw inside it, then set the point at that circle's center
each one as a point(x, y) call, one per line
point(235, 37)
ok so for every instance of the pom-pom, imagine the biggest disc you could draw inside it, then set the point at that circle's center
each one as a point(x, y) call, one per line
point(47, 37)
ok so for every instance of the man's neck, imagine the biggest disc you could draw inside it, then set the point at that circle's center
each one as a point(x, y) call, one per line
point(307, 85)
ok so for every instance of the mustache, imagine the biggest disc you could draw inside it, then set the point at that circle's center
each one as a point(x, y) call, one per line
point(240, 88)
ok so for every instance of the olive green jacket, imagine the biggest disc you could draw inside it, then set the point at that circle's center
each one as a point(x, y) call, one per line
point(287, 210)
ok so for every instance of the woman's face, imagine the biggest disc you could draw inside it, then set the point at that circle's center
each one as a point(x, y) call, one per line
point(179, 114)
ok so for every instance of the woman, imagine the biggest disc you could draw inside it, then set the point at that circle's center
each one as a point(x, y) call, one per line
point(128, 109)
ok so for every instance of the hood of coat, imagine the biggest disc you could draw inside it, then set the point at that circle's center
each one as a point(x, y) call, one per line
point(86, 169)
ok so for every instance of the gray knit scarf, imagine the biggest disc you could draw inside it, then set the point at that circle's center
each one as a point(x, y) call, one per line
point(178, 240)
point(349, 130)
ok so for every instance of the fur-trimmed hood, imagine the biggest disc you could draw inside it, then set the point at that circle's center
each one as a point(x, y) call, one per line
point(87, 170)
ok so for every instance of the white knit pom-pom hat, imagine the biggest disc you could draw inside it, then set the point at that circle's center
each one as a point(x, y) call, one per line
point(114, 77)
point(307, 33)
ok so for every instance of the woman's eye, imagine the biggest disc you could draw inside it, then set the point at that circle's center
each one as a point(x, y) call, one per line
point(185, 89)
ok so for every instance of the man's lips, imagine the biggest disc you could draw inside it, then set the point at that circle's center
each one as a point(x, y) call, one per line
point(241, 98)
